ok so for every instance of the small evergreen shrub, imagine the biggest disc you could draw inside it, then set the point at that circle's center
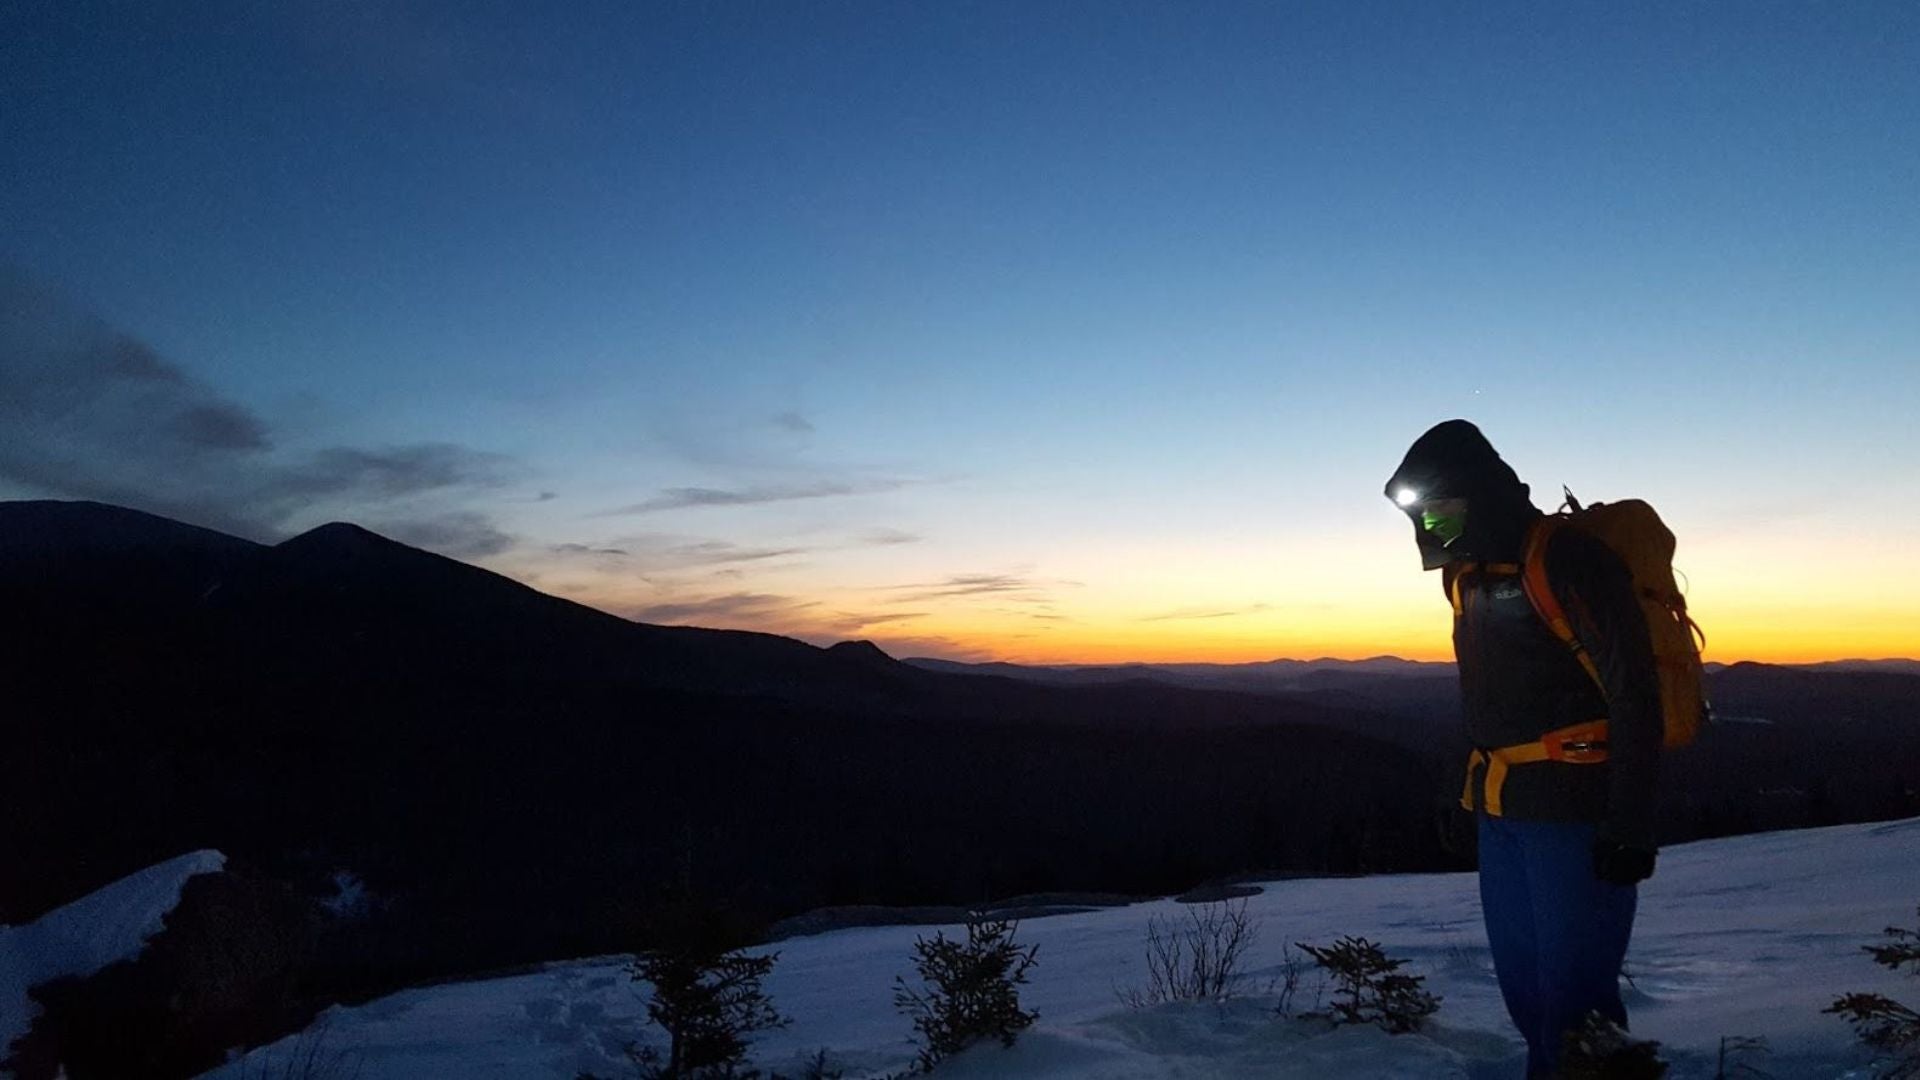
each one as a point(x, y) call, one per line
point(707, 996)
point(1370, 989)
point(1886, 1025)
point(1600, 1049)
point(1196, 958)
point(970, 990)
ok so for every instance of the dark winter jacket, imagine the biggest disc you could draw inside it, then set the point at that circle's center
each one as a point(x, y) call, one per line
point(1518, 681)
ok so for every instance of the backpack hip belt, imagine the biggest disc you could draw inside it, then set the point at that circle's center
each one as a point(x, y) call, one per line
point(1579, 744)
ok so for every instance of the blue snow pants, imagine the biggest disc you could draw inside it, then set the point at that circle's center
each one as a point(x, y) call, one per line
point(1558, 933)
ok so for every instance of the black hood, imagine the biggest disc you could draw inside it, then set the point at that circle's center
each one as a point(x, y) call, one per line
point(1454, 461)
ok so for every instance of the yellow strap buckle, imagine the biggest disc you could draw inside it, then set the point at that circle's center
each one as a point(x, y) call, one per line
point(1581, 744)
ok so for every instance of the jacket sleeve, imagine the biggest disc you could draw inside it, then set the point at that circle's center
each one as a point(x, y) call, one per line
point(1596, 590)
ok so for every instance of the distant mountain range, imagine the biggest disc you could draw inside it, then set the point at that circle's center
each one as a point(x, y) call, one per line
point(515, 776)
point(343, 702)
point(1259, 677)
point(1902, 667)
point(1282, 675)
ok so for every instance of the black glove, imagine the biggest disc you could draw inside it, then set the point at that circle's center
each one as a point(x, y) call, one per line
point(1622, 864)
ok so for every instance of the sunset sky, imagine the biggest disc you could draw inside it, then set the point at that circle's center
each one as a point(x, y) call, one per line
point(1028, 331)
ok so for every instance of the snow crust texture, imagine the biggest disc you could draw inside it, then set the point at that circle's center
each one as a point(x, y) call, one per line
point(1749, 936)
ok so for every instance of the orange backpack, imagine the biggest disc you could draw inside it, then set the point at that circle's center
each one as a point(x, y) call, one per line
point(1644, 543)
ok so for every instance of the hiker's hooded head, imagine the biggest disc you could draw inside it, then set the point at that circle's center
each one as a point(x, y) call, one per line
point(1465, 502)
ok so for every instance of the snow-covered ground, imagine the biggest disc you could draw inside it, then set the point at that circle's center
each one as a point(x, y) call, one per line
point(99, 929)
point(1750, 936)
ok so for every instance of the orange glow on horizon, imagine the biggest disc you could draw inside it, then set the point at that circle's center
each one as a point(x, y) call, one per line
point(1345, 597)
point(1728, 642)
point(1770, 636)
point(1764, 631)
point(1757, 647)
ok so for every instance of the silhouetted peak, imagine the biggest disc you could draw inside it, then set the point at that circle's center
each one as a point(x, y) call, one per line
point(85, 527)
point(1752, 667)
point(340, 544)
point(336, 533)
point(864, 651)
point(342, 538)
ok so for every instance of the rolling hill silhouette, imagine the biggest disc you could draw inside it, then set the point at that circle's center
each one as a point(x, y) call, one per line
point(520, 776)
point(516, 776)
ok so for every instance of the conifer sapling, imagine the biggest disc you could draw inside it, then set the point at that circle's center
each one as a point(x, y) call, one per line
point(1881, 1022)
point(970, 989)
point(1370, 987)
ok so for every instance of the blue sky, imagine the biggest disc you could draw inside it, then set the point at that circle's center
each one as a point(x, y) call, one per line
point(1025, 330)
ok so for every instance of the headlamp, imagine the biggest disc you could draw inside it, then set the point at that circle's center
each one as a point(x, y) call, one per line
point(1406, 497)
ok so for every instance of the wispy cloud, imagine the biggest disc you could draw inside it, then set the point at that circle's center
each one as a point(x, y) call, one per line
point(764, 609)
point(389, 473)
point(967, 585)
point(768, 612)
point(92, 413)
point(888, 537)
point(757, 432)
point(716, 552)
point(586, 549)
point(902, 647)
point(654, 552)
point(687, 498)
point(461, 534)
point(793, 422)
point(219, 426)
point(855, 621)
point(1205, 613)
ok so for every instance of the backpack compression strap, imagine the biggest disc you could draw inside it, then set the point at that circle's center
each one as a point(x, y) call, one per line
point(1533, 578)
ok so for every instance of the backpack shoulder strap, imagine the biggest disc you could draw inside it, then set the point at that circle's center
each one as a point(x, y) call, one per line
point(1450, 578)
point(1533, 578)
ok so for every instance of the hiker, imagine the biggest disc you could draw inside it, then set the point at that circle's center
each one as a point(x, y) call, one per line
point(1561, 780)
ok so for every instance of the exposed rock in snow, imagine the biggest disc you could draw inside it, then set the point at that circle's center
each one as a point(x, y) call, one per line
point(97, 930)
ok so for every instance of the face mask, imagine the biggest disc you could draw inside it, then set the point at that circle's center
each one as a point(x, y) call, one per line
point(1444, 519)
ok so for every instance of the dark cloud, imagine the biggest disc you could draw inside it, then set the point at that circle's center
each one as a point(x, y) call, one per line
point(686, 498)
point(461, 534)
point(794, 422)
point(389, 473)
point(87, 412)
point(129, 359)
point(220, 426)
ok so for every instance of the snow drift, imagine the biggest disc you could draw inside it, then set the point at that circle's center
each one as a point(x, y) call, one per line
point(93, 932)
point(1749, 936)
